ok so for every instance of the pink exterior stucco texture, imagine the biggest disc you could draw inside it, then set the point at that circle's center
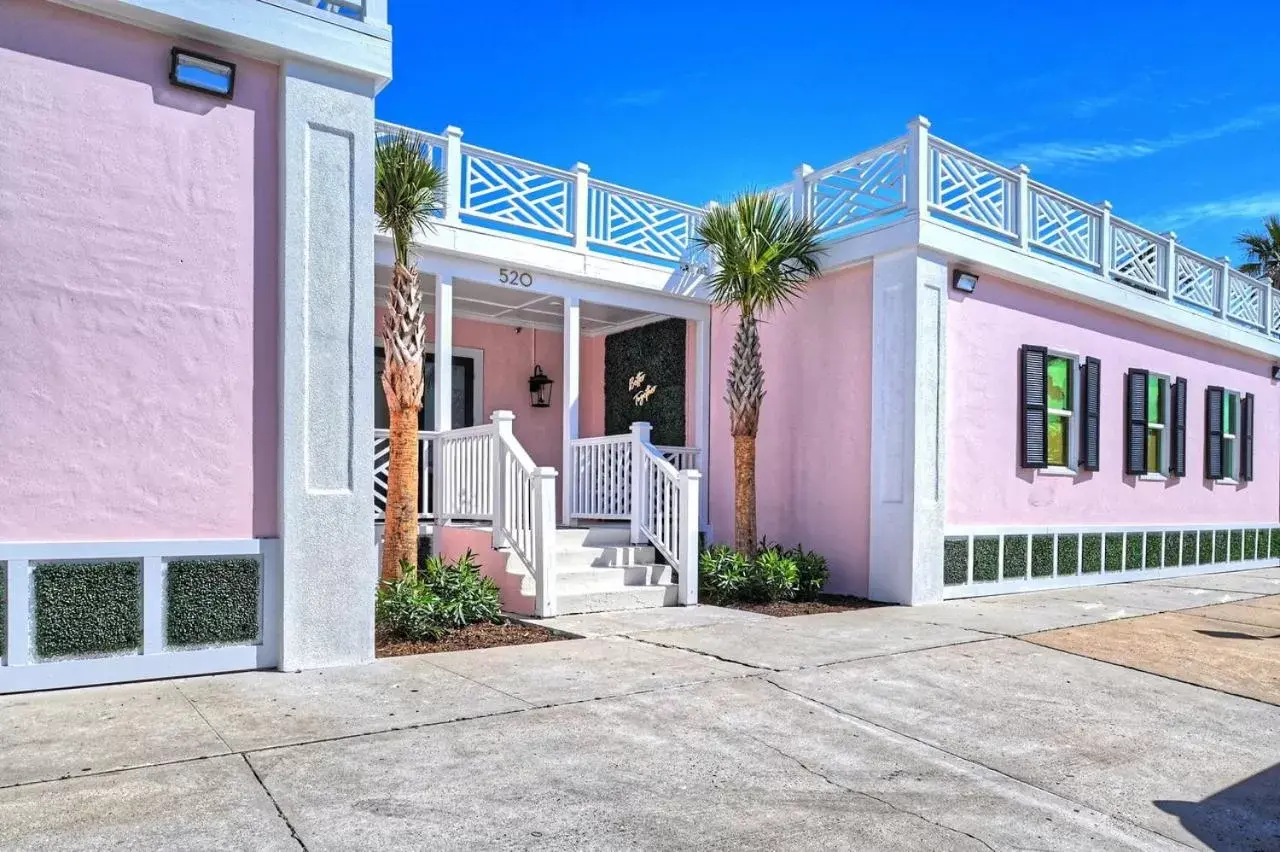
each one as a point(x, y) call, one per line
point(986, 485)
point(813, 453)
point(453, 542)
point(138, 248)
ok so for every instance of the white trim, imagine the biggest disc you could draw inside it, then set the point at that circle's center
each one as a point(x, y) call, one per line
point(133, 667)
point(169, 548)
point(958, 530)
point(980, 589)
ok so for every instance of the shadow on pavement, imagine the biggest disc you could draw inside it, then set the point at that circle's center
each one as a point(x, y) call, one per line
point(1244, 816)
point(1231, 634)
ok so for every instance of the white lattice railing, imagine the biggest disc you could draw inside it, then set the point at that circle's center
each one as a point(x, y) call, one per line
point(868, 186)
point(599, 474)
point(359, 10)
point(1065, 227)
point(381, 464)
point(631, 221)
point(972, 189)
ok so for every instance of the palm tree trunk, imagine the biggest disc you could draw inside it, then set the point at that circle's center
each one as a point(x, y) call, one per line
point(744, 493)
point(400, 542)
point(403, 337)
point(744, 395)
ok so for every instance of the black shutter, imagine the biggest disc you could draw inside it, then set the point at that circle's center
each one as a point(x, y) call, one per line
point(1246, 430)
point(1213, 433)
point(1091, 394)
point(1178, 449)
point(1135, 417)
point(1033, 379)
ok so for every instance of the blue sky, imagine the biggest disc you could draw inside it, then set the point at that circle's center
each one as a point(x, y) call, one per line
point(1167, 109)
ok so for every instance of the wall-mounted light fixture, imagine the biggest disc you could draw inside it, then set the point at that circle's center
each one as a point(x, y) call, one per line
point(1275, 372)
point(202, 73)
point(965, 282)
point(540, 388)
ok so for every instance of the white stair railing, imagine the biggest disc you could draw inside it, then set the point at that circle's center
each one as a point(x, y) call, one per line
point(599, 475)
point(524, 511)
point(464, 473)
point(664, 504)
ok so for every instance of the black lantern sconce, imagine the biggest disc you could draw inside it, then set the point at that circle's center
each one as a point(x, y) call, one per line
point(540, 389)
point(202, 73)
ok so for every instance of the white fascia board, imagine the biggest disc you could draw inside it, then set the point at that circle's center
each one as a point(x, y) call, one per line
point(273, 30)
point(488, 251)
point(1060, 279)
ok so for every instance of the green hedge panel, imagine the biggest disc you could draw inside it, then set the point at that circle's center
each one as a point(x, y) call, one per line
point(986, 559)
point(1220, 545)
point(1206, 547)
point(658, 351)
point(1042, 555)
point(1015, 557)
point(212, 601)
point(1275, 544)
point(1237, 545)
point(1133, 551)
point(1250, 543)
point(1190, 547)
point(1115, 552)
point(1068, 555)
point(1092, 544)
point(4, 606)
point(86, 608)
point(1172, 549)
point(1155, 549)
point(955, 561)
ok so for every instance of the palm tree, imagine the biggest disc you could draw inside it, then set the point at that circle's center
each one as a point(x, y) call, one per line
point(763, 257)
point(408, 194)
point(1263, 251)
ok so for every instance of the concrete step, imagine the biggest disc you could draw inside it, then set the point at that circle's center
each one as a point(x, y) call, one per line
point(631, 597)
point(587, 557)
point(594, 535)
point(582, 580)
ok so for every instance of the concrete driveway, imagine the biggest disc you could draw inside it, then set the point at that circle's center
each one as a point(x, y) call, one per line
point(941, 728)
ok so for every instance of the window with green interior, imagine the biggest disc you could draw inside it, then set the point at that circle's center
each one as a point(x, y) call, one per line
point(1157, 425)
point(1230, 432)
point(1060, 449)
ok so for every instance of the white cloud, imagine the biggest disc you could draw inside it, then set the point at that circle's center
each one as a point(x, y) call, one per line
point(1245, 207)
point(1087, 153)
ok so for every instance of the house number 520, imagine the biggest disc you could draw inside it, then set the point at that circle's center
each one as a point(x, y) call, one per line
point(515, 277)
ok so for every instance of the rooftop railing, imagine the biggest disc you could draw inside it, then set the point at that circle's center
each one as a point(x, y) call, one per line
point(356, 10)
point(914, 175)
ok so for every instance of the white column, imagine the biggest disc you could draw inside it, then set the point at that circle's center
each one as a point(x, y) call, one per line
point(1104, 240)
point(640, 435)
point(443, 314)
point(1024, 222)
point(702, 409)
point(453, 173)
point(502, 423)
point(917, 167)
point(572, 378)
point(19, 640)
point(581, 192)
point(689, 485)
point(328, 570)
point(908, 431)
point(1224, 272)
point(153, 629)
point(544, 519)
point(1170, 269)
point(800, 190)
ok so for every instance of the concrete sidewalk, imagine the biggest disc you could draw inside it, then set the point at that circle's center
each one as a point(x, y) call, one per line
point(929, 728)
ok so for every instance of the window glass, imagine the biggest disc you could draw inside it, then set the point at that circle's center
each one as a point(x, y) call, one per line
point(1059, 383)
point(1155, 399)
point(1059, 441)
point(1230, 420)
point(1061, 406)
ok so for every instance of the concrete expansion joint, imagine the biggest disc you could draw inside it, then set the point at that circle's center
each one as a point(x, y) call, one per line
point(701, 653)
point(279, 812)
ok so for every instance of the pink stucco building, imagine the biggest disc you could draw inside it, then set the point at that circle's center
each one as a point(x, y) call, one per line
point(992, 387)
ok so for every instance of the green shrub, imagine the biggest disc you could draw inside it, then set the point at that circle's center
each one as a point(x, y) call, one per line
point(1042, 555)
point(1206, 547)
point(811, 572)
point(1220, 545)
point(87, 608)
point(1250, 543)
point(722, 575)
point(1190, 547)
point(211, 601)
point(773, 577)
point(1132, 551)
point(1275, 543)
point(1172, 549)
point(1237, 545)
point(1155, 549)
point(986, 559)
point(1114, 552)
point(955, 561)
point(426, 604)
point(1068, 555)
point(1015, 557)
point(1092, 545)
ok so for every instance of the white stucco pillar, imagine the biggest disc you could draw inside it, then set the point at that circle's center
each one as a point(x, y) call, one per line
point(443, 316)
point(702, 409)
point(908, 426)
point(572, 380)
point(327, 563)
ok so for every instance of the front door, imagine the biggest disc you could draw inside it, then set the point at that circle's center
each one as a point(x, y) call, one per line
point(464, 409)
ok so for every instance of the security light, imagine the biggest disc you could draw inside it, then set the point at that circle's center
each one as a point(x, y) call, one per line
point(1275, 372)
point(201, 73)
point(965, 282)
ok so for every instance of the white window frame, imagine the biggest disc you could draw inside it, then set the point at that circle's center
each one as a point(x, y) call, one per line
point(1166, 433)
point(1231, 440)
point(1072, 413)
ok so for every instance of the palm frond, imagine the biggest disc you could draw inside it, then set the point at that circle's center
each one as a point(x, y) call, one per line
point(1262, 250)
point(409, 190)
point(764, 255)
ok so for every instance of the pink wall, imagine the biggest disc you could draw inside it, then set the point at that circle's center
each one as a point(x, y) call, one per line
point(138, 308)
point(984, 481)
point(813, 462)
point(454, 541)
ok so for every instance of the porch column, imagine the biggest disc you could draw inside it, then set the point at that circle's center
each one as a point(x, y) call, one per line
point(702, 410)
point(444, 354)
point(572, 363)
point(908, 426)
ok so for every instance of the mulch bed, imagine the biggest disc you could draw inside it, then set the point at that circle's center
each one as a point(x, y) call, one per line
point(469, 638)
point(824, 603)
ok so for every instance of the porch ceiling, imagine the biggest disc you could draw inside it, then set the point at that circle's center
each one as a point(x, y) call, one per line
point(519, 307)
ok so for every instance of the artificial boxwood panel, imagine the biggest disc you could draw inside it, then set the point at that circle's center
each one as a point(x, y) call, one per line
point(1220, 539)
point(1155, 543)
point(1206, 547)
point(955, 561)
point(1275, 544)
point(1115, 552)
point(1250, 543)
point(4, 606)
point(658, 351)
point(211, 601)
point(986, 559)
point(1133, 551)
point(1042, 555)
point(1190, 547)
point(1015, 557)
point(1092, 546)
point(1237, 545)
point(1172, 549)
point(86, 608)
point(1068, 554)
